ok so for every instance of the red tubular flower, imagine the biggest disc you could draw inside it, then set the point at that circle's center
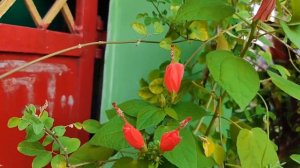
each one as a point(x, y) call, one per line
point(265, 9)
point(173, 76)
point(169, 140)
point(131, 134)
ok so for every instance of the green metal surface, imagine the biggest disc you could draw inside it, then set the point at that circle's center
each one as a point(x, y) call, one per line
point(126, 64)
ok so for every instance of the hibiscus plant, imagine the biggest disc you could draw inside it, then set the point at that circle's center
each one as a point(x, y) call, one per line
point(233, 103)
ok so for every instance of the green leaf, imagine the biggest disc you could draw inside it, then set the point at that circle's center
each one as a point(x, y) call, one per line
point(110, 135)
point(49, 122)
point(282, 70)
point(58, 161)
point(156, 86)
point(145, 93)
point(23, 124)
point(130, 163)
point(31, 136)
point(189, 109)
point(59, 130)
point(70, 144)
point(47, 140)
point(37, 128)
point(149, 118)
point(202, 160)
point(199, 30)
point(154, 74)
point(139, 28)
point(204, 10)
point(255, 149)
point(13, 122)
point(295, 11)
point(91, 126)
point(90, 153)
point(171, 112)
point(131, 107)
point(30, 148)
point(287, 86)
point(296, 158)
point(235, 75)
point(78, 125)
point(158, 28)
point(219, 154)
point(184, 154)
point(41, 160)
point(292, 32)
point(30, 109)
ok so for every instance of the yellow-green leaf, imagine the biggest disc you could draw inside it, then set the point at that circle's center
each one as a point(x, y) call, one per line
point(219, 154)
point(158, 27)
point(208, 146)
point(222, 43)
point(139, 28)
point(156, 86)
point(199, 30)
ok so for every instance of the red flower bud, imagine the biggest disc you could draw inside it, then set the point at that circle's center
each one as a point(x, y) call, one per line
point(173, 76)
point(265, 9)
point(169, 140)
point(133, 136)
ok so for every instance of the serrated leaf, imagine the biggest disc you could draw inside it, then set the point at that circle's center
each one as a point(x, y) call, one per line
point(30, 148)
point(58, 161)
point(59, 130)
point(42, 160)
point(296, 158)
point(132, 107)
point(240, 82)
point(255, 149)
point(204, 10)
point(130, 163)
point(287, 86)
point(90, 153)
point(208, 147)
point(156, 86)
point(70, 144)
point(189, 109)
point(139, 28)
point(110, 135)
point(91, 126)
point(13, 122)
point(146, 119)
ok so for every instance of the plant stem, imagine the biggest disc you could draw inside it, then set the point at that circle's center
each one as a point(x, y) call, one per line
point(250, 38)
point(79, 46)
point(61, 146)
point(267, 114)
point(207, 41)
point(216, 114)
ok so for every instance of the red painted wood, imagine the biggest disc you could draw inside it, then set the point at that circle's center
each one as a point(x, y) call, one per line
point(65, 80)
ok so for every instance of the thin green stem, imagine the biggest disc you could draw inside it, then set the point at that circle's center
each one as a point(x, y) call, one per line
point(292, 62)
point(216, 114)
point(79, 46)
point(250, 38)
point(267, 113)
point(208, 41)
point(61, 146)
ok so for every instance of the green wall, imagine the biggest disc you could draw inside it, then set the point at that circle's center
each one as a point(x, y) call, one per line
point(126, 64)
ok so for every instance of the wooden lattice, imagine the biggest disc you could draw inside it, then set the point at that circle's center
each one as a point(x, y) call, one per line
point(5, 5)
point(59, 5)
